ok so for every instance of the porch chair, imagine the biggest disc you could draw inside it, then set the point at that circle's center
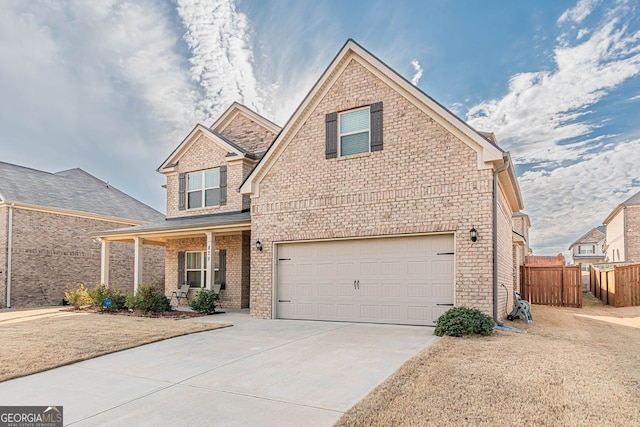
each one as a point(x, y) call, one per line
point(183, 292)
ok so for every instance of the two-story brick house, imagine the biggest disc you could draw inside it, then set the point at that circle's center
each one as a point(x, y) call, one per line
point(206, 233)
point(374, 203)
point(623, 231)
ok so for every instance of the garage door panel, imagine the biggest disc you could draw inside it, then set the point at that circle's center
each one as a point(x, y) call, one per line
point(327, 290)
point(326, 269)
point(369, 268)
point(370, 312)
point(392, 268)
point(391, 313)
point(401, 279)
point(370, 290)
point(391, 290)
point(417, 268)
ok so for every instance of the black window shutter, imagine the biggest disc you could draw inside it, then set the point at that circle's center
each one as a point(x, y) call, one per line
point(181, 268)
point(182, 189)
point(376, 126)
point(331, 144)
point(222, 267)
point(223, 185)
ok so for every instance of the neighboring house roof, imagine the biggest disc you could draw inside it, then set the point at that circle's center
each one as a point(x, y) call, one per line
point(631, 201)
point(181, 224)
point(234, 148)
point(70, 190)
point(594, 235)
point(487, 151)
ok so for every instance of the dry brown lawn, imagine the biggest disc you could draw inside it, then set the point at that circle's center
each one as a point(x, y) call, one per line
point(573, 367)
point(37, 340)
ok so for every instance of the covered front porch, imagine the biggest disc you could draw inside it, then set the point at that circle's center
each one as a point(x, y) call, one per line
point(199, 251)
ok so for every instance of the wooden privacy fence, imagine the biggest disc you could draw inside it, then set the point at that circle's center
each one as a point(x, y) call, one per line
point(557, 260)
point(618, 286)
point(552, 285)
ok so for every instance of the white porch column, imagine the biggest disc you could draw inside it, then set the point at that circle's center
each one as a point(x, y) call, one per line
point(137, 263)
point(104, 263)
point(211, 244)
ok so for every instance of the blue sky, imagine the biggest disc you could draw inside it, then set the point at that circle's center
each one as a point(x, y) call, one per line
point(113, 86)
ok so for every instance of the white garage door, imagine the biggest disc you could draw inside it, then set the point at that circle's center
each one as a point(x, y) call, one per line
point(401, 280)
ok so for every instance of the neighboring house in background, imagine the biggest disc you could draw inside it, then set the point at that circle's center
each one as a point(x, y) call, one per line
point(361, 208)
point(521, 224)
point(622, 243)
point(587, 250)
point(45, 224)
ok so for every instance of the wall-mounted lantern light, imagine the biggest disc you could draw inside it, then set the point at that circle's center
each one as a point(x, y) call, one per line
point(474, 234)
point(258, 245)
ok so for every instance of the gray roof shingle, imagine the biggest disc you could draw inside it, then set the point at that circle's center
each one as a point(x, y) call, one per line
point(633, 200)
point(73, 190)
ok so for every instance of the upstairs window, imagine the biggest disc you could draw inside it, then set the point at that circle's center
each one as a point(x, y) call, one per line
point(586, 249)
point(354, 132)
point(203, 188)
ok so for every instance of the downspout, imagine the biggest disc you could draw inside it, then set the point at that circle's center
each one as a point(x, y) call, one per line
point(507, 164)
point(9, 250)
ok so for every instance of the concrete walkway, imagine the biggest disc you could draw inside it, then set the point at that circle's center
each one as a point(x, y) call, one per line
point(256, 373)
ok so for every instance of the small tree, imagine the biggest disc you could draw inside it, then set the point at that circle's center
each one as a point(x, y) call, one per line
point(148, 299)
point(78, 296)
point(461, 321)
point(205, 302)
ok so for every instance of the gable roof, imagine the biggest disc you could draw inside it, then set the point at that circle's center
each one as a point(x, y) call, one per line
point(237, 108)
point(631, 201)
point(213, 134)
point(70, 190)
point(487, 151)
point(594, 235)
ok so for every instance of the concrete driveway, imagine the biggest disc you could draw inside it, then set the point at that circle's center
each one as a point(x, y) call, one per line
point(256, 373)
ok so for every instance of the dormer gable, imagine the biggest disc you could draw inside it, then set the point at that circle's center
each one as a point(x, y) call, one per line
point(234, 151)
point(246, 128)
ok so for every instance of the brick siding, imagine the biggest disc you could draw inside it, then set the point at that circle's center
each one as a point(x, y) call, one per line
point(51, 251)
point(236, 292)
point(632, 230)
point(4, 219)
point(424, 180)
point(205, 154)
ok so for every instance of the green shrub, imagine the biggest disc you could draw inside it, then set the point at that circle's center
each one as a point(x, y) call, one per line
point(103, 292)
point(461, 321)
point(78, 296)
point(148, 299)
point(205, 302)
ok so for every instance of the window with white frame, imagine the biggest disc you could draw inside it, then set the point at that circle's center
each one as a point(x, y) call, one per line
point(203, 188)
point(196, 268)
point(586, 249)
point(354, 132)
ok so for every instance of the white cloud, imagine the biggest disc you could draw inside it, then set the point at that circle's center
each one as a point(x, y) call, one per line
point(545, 108)
point(551, 119)
point(418, 72)
point(579, 12)
point(221, 60)
point(566, 202)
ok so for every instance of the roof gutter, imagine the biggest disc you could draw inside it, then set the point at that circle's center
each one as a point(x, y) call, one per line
point(505, 166)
